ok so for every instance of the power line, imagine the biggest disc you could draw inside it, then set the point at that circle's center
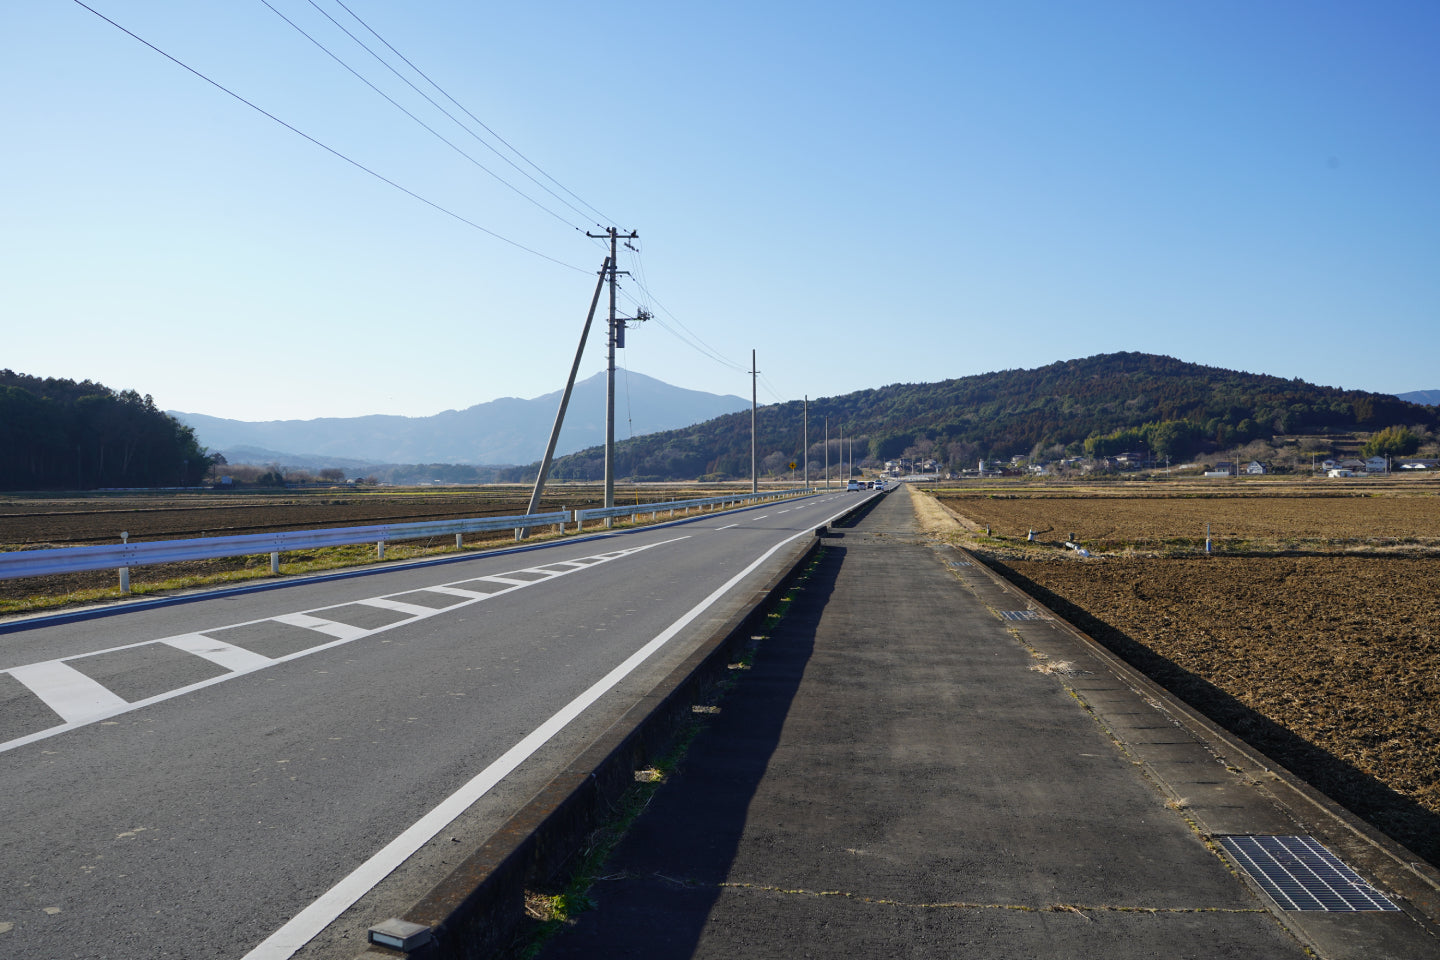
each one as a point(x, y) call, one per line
point(447, 96)
point(391, 100)
point(328, 149)
point(688, 336)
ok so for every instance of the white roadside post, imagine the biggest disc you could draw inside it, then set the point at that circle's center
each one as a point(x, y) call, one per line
point(125, 571)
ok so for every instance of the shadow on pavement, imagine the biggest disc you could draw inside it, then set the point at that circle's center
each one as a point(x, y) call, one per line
point(658, 889)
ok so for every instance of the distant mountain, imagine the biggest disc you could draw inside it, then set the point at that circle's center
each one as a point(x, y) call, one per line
point(504, 431)
point(1430, 398)
point(1103, 404)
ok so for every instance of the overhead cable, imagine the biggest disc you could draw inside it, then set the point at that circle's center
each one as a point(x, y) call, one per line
point(398, 106)
point(331, 150)
point(603, 218)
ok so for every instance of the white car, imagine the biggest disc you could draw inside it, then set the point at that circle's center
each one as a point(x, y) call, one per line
point(853, 485)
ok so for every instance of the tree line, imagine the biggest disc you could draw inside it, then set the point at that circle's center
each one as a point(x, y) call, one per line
point(62, 435)
point(1097, 406)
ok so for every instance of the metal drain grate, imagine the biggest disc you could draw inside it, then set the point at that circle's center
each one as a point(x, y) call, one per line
point(1300, 874)
point(1022, 615)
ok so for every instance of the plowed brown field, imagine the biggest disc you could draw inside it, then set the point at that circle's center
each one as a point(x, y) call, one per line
point(1110, 521)
point(1329, 662)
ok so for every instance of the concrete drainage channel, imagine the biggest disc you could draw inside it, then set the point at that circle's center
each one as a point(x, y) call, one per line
point(478, 909)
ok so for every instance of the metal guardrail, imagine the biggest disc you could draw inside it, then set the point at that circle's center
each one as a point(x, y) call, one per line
point(635, 510)
point(123, 556)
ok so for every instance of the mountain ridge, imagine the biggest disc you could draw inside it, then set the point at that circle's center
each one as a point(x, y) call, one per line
point(508, 430)
point(1099, 405)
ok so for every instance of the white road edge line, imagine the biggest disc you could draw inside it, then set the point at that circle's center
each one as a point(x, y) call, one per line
point(303, 927)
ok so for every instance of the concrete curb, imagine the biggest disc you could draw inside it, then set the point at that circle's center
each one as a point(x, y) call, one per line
point(1415, 881)
point(478, 909)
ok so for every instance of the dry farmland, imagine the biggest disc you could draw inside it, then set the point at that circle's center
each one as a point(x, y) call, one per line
point(1313, 630)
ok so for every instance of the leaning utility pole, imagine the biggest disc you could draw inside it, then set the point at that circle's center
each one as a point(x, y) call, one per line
point(549, 457)
point(616, 338)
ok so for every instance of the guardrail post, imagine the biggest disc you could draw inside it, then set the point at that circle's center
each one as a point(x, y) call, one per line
point(275, 561)
point(125, 571)
point(460, 540)
point(380, 550)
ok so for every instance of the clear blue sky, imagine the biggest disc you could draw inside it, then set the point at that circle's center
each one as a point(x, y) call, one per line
point(865, 193)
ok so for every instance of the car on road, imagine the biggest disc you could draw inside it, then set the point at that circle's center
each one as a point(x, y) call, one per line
point(853, 485)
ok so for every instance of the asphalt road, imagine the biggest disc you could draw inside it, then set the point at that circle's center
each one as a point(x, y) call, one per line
point(222, 777)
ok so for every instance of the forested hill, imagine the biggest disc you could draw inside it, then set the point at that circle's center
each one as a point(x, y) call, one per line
point(60, 434)
point(1098, 405)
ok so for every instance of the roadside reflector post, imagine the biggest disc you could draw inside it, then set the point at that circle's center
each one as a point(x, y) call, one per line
point(125, 571)
point(380, 550)
point(1207, 538)
point(460, 540)
point(275, 561)
point(1031, 536)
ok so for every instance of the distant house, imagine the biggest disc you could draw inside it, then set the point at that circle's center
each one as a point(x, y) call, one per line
point(1339, 472)
point(1225, 467)
point(1354, 466)
point(1255, 468)
point(1377, 465)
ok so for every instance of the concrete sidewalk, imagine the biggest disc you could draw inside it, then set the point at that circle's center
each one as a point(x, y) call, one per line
point(908, 772)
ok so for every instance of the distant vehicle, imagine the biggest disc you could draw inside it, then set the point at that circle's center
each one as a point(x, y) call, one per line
point(853, 485)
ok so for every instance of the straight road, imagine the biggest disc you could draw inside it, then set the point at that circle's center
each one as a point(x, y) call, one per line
point(223, 777)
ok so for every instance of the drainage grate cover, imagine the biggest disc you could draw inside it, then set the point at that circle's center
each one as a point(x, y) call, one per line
point(1022, 615)
point(1300, 874)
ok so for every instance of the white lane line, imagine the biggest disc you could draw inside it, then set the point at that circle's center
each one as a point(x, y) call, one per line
point(456, 592)
point(303, 927)
point(384, 603)
point(330, 628)
point(507, 581)
point(90, 701)
point(67, 691)
point(728, 526)
point(219, 652)
point(761, 517)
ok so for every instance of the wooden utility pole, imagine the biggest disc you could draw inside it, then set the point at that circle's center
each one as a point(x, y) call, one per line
point(616, 338)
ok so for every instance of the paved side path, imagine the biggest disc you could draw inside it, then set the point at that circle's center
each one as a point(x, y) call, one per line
point(896, 778)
